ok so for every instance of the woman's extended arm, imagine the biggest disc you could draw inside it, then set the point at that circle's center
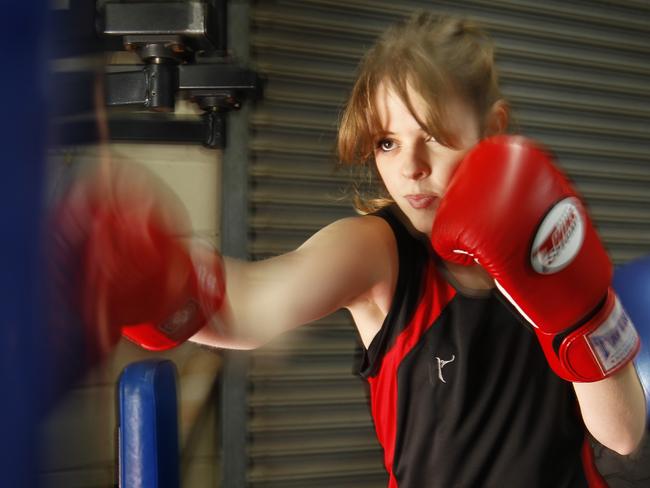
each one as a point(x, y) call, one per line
point(338, 264)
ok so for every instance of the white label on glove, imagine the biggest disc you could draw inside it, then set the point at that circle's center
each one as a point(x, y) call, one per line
point(559, 237)
point(615, 339)
point(179, 319)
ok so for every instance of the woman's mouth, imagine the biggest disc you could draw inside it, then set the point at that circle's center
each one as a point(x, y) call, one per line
point(421, 201)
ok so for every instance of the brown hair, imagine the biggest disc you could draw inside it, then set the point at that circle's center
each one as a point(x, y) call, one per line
point(438, 56)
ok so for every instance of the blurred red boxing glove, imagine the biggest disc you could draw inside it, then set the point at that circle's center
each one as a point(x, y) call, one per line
point(134, 272)
point(511, 210)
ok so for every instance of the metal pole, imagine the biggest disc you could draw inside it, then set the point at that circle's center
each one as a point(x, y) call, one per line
point(234, 230)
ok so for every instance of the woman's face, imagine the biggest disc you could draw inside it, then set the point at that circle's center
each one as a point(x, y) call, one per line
point(414, 167)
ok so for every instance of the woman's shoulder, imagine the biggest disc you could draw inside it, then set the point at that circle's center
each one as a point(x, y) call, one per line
point(361, 230)
point(364, 246)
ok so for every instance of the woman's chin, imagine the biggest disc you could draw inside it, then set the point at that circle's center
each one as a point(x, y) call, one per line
point(423, 224)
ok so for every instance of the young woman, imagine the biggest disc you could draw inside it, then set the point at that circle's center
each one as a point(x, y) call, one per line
point(462, 394)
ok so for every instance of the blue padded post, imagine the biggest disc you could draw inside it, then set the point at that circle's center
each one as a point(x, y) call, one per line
point(632, 283)
point(148, 425)
point(24, 362)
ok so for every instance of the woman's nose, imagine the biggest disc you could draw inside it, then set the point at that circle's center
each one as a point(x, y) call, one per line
point(416, 164)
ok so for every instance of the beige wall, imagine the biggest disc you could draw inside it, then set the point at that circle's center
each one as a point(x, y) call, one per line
point(79, 436)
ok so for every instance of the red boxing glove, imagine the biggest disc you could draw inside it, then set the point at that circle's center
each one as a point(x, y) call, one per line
point(511, 210)
point(135, 272)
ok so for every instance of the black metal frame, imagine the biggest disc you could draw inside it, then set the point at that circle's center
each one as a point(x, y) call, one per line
point(182, 45)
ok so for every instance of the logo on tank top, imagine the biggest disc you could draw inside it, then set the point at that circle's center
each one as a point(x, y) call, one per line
point(559, 237)
point(442, 363)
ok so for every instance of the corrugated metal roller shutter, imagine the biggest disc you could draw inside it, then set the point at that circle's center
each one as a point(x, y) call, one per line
point(577, 76)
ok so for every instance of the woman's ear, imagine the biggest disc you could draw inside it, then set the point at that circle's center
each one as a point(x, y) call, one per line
point(497, 118)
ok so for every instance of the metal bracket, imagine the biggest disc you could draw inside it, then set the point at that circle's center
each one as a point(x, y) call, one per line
point(170, 37)
point(183, 54)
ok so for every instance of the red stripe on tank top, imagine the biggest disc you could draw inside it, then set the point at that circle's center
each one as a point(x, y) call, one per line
point(594, 478)
point(383, 387)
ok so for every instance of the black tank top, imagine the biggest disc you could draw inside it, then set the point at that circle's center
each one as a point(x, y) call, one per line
point(460, 392)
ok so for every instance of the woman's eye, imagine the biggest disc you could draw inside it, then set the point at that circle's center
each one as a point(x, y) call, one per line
point(386, 145)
